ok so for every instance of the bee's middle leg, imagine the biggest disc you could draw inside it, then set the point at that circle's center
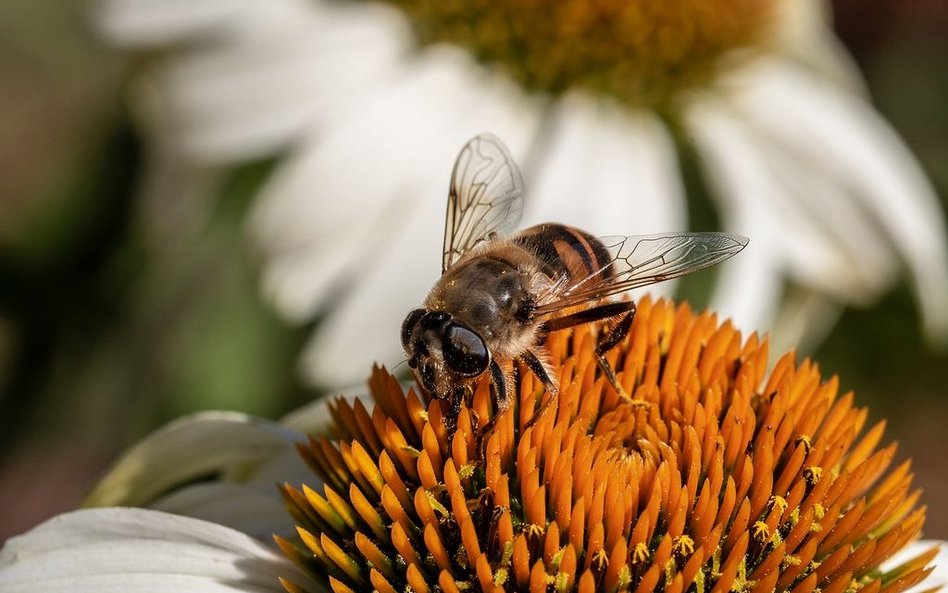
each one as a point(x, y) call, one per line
point(501, 396)
point(543, 374)
point(624, 311)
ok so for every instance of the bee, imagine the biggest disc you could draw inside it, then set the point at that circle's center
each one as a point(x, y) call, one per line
point(501, 292)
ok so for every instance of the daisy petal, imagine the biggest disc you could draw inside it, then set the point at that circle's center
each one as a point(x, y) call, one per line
point(846, 139)
point(749, 286)
point(249, 96)
point(938, 577)
point(607, 171)
point(146, 23)
point(236, 506)
point(192, 448)
point(119, 549)
point(806, 35)
point(313, 417)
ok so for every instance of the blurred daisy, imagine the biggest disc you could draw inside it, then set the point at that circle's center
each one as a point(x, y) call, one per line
point(369, 103)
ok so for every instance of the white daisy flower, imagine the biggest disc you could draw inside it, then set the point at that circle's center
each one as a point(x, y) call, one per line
point(129, 549)
point(598, 101)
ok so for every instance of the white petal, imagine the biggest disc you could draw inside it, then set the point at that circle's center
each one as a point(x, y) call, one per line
point(847, 140)
point(251, 95)
point(804, 320)
point(236, 506)
point(749, 286)
point(805, 34)
point(144, 23)
point(117, 549)
point(797, 213)
point(314, 416)
point(415, 137)
point(191, 448)
point(938, 577)
point(608, 171)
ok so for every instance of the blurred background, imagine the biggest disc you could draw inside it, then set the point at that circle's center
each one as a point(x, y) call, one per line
point(118, 313)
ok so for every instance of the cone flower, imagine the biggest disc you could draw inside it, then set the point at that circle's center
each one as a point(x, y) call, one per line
point(718, 476)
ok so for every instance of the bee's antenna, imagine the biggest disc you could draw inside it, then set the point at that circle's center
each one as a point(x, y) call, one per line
point(395, 368)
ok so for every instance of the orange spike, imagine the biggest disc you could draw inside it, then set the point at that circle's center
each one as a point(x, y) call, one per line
point(366, 467)
point(587, 582)
point(447, 582)
point(367, 511)
point(338, 586)
point(521, 561)
point(484, 574)
point(729, 568)
point(551, 543)
point(393, 480)
point(436, 547)
point(577, 524)
point(416, 579)
point(393, 508)
point(807, 585)
point(380, 583)
point(568, 566)
point(342, 560)
point(373, 554)
point(838, 584)
point(538, 578)
point(426, 472)
point(403, 545)
point(649, 579)
point(792, 571)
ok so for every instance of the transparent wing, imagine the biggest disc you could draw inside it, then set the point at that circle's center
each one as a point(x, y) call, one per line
point(485, 199)
point(641, 260)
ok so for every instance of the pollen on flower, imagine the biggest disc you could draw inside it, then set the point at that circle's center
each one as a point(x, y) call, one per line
point(707, 483)
point(640, 53)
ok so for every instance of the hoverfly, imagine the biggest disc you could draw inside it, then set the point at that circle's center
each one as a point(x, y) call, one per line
point(501, 292)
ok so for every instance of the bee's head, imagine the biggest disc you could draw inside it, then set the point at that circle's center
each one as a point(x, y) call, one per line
point(442, 351)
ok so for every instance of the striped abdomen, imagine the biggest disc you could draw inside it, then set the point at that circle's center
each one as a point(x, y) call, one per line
point(565, 251)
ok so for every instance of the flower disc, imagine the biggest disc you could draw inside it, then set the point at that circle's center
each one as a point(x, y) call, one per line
point(718, 476)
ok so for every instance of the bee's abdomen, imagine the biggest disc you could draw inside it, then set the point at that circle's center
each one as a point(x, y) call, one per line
point(565, 251)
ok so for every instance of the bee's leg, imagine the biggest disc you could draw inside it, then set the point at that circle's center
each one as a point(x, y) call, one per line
point(625, 309)
point(597, 313)
point(452, 412)
point(608, 342)
point(498, 388)
point(535, 365)
point(501, 397)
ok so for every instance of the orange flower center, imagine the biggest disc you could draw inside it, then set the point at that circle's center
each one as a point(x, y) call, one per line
point(717, 477)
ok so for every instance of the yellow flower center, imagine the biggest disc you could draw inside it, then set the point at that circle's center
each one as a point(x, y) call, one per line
point(640, 52)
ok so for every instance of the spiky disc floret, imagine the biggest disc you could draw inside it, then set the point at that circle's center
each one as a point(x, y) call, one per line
point(716, 477)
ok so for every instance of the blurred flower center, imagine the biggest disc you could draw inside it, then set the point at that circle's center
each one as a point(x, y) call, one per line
point(642, 53)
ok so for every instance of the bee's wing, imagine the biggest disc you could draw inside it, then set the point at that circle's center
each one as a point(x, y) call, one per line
point(641, 260)
point(485, 199)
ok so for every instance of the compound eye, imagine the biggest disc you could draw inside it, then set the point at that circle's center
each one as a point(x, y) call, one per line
point(464, 351)
point(409, 325)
